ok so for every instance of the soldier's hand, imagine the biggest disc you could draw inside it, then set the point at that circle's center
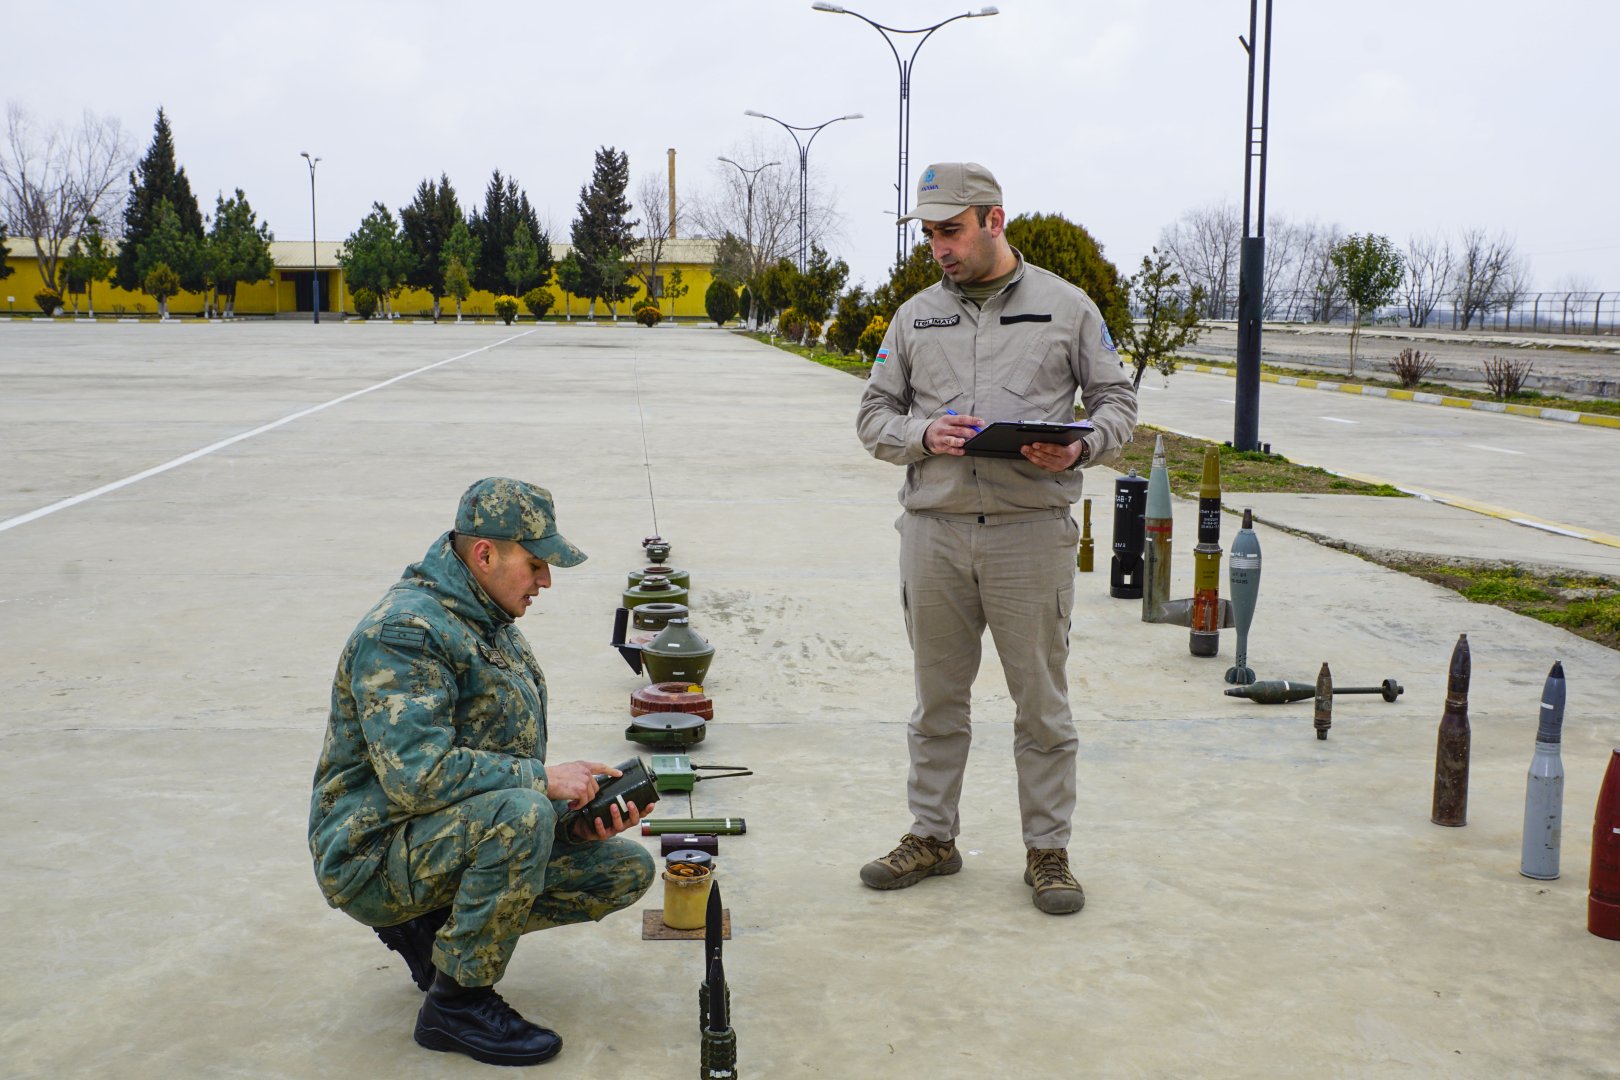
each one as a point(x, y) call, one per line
point(617, 822)
point(1053, 457)
point(947, 434)
point(575, 781)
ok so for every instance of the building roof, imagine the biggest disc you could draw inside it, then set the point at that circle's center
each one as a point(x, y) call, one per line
point(296, 254)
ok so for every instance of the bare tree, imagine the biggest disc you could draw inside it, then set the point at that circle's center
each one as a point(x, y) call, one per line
point(53, 180)
point(1483, 266)
point(1206, 244)
point(652, 200)
point(770, 217)
point(1284, 240)
point(1428, 275)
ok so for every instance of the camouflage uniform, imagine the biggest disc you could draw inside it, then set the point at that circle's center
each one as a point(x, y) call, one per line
point(431, 788)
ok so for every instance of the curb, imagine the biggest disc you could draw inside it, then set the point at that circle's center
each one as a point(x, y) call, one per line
point(1566, 416)
point(1501, 513)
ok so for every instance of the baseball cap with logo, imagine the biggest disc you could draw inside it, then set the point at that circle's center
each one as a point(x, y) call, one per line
point(947, 188)
point(497, 508)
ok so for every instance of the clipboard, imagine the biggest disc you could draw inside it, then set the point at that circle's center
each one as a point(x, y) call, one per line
point(1003, 438)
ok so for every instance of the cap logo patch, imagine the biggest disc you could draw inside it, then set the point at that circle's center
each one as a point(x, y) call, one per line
point(928, 177)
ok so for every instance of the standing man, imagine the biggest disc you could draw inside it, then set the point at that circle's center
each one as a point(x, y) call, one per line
point(435, 817)
point(989, 541)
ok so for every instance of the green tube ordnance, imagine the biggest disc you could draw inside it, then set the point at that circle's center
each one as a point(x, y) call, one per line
point(731, 826)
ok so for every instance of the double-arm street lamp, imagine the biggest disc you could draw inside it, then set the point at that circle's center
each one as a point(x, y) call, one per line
point(804, 167)
point(314, 251)
point(749, 176)
point(903, 183)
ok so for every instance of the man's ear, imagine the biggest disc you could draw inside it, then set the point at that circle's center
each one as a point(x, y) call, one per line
point(996, 221)
point(483, 552)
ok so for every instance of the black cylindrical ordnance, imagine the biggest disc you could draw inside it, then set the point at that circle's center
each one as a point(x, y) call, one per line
point(636, 785)
point(1283, 691)
point(1085, 559)
point(1324, 701)
point(713, 942)
point(1130, 504)
point(1451, 752)
point(670, 843)
point(719, 1055)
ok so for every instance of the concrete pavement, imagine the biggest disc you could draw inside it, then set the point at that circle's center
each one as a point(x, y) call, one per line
point(1260, 903)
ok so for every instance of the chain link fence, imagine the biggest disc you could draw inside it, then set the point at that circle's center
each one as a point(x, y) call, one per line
point(1595, 313)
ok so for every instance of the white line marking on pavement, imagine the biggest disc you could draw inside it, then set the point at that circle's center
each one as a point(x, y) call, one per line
point(1550, 528)
point(35, 515)
point(1494, 449)
point(1338, 420)
point(1226, 401)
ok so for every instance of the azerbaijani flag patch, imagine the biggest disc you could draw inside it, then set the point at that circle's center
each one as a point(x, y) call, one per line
point(883, 354)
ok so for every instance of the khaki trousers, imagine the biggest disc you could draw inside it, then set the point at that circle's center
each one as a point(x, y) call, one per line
point(1018, 579)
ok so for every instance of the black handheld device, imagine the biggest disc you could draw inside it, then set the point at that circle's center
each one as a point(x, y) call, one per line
point(635, 784)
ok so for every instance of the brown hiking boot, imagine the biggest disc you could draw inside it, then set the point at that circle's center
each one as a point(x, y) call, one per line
point(915, 858)
point(1056, 891)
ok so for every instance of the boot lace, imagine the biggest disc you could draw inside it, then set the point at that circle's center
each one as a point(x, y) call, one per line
point(1050, 868)
point(914, 849)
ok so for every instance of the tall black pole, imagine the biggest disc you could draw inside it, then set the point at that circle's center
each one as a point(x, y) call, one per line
point(1251, 268)
point(804, 168)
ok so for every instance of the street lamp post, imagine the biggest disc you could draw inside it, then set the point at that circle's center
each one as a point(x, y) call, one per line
point(804, 166)
point(749, 176)
point(1251, 266)
point(314, 251)
point(903, 182)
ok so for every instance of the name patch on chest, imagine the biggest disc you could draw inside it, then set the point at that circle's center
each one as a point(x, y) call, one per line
point(493, 655)
point(1007, 319)
point(938, 320)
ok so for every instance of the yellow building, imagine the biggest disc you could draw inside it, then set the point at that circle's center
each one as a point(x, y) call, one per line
point(290, 288)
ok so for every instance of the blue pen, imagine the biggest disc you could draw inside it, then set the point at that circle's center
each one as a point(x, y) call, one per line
point(953, 412)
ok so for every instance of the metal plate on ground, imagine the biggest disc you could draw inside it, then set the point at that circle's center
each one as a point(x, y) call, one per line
point(653, 928)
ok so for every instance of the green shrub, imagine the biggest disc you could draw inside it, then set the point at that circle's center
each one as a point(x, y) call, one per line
point(48, 300)
point(872, 337)
point(791, 323)
point(812, 332)
point(649, 315)
point(720, 301)
point(506, 306)
point(538, 301)
point(365, 302)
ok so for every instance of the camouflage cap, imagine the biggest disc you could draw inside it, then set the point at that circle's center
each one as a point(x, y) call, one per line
point(497, 508)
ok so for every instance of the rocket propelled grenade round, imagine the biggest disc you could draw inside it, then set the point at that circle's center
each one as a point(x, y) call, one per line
point(1453, 743)
point(1323, 718)
point(1157, 527)
point(1544, 790)
point(1284, 691)
point(1243, 573)
point(1130, 502)
point(1204, 638)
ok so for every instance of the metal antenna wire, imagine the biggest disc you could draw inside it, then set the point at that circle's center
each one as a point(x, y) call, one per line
point(646, 456)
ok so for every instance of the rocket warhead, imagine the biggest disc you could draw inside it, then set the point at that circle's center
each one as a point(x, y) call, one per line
point(712, 930)
point(1209, 499)
point(1461, 670)
point(1158, 493)
point(1551, 729)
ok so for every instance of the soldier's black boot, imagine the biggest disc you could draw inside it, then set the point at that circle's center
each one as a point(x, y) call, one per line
point(413, 939)
point(474, 1020)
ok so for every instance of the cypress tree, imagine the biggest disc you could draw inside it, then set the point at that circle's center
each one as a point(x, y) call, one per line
point(505, 205)
point(156, 178)
point(427, 223)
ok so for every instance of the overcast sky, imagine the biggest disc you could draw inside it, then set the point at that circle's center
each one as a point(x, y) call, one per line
point(1391, 116)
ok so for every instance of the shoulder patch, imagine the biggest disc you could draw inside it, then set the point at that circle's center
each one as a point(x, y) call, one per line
point(937, 320)
point(403, 636)
point(1108, 340)
point(882, 355)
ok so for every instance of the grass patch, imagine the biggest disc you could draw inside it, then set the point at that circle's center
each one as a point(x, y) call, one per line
point(1368, 377)
point(1586, 606)
point(852, 365)
point(1241, 470)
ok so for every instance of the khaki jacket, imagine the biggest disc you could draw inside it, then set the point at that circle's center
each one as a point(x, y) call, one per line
point(1025, 355)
